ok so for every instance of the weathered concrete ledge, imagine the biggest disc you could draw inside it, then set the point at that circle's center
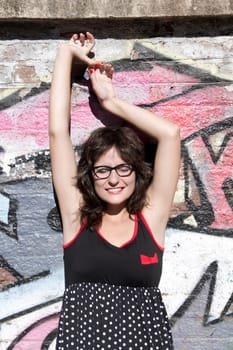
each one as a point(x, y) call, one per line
point(63, 9)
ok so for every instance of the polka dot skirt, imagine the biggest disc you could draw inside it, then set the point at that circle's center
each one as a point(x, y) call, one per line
point(101, 316)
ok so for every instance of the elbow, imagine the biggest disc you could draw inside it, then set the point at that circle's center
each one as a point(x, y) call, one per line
point(53, 128)
point(57, 134)
point(174, 132)
point(176, 129)
point(58, 129)
point(172, 137)
point(52, 136)
point(52, 132)
point(177, 132)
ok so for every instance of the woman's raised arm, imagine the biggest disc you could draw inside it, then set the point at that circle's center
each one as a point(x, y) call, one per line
point(63, 161)
point(164, 133)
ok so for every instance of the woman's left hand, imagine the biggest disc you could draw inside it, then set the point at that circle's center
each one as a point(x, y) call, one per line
point(81, 45)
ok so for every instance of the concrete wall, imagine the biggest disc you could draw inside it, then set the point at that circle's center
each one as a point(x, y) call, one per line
point(181, 69)
point(108, 8)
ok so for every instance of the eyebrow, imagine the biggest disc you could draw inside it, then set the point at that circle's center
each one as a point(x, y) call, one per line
point(108, 166)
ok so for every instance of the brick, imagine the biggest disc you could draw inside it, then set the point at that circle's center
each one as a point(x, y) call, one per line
point(25, 74)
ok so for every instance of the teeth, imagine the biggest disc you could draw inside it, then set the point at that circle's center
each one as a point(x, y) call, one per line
point(114, 190)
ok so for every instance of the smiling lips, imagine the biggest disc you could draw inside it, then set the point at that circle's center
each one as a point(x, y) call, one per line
point(114, 190)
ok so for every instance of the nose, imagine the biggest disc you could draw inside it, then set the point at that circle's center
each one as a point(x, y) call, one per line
point(113, 178)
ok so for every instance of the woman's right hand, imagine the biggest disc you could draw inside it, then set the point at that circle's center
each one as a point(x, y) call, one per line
point(81, 45)
point(101, 79)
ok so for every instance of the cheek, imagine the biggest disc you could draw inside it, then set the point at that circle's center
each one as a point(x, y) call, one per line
point(132, 183)
point(98, 185)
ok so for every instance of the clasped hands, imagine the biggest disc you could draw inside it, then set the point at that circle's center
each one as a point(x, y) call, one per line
point(100, 73)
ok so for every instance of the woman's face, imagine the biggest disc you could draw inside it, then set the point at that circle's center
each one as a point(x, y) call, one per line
point(116, 188)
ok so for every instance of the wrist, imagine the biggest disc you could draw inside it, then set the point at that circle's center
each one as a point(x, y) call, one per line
point(75, 53)
point(110, 104)
point(65, 51)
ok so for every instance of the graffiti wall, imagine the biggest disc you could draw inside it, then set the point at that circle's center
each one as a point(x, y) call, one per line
point(188, 80)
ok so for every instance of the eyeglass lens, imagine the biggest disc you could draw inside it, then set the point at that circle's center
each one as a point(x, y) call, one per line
point(105, 171)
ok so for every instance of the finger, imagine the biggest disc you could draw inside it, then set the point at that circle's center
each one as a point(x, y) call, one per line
point(82, 39)
point(91, 71)
point(92, 75)
point(102, 67)
point(109, 70)
point(96, 76)
point(74, 37)
point(91, 39)
point(98, 64)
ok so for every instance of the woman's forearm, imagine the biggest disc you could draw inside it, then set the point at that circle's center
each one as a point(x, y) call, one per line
point(146, 121)
point(60, 91)
point(78, 47)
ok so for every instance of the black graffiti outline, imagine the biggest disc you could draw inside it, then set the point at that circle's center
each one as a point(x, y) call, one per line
point(143, 63)
point(203, 225)
point(4, 265)
point(49, 339)
point(17, 98)
point(209, 275)
point(20, 279)
point(28, 329)
point(31, 309)
point(11, 227)
point(210, 79)
point(227, 188)
point(41, 164)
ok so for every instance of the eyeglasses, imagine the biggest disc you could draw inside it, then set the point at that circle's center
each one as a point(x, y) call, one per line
point(103, 171)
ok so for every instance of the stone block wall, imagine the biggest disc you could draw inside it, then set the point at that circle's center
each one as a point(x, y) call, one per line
point(181, 69)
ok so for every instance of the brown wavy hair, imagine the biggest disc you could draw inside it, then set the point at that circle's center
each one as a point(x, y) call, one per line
point(131, 150)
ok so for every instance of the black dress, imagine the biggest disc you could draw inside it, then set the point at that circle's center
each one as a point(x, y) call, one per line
point(112, 300)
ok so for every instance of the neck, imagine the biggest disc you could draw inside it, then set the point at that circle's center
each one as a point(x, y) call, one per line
point(112, 213)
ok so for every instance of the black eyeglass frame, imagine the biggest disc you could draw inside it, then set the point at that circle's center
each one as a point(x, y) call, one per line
point(109, 169)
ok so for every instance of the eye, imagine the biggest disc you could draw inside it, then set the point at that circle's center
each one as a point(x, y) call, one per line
point(102, 170)
point(124, 169)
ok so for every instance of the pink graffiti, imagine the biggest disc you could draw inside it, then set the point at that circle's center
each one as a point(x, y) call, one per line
point(197, 109)
point(36, 334)
point(212, 176)
point(5, 123)
point(28, 120)
point(190, 105)
point(192, 110)
point(29, 117)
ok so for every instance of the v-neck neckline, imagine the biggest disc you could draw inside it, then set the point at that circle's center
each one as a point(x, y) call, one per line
point(130, 240)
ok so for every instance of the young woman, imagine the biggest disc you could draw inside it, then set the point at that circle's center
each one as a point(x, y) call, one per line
point(114, 211)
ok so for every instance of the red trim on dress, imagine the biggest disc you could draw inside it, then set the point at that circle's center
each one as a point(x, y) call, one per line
point(147, 260)
point(135, 232)
point(150, 232)
point(68, 244)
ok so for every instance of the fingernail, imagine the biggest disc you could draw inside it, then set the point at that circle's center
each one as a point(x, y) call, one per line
point(98, 64)
point(91, 70)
